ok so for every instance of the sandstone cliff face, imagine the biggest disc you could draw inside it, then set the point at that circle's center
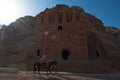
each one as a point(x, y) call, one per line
point(58, 31)
point(117, 37)
point(22, 26)
point(62, 14)
point(13, 40)
point(77, 34)
point(115, 32)
point(65, 28)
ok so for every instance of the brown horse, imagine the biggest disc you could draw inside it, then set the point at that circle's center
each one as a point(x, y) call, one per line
point(52, 65)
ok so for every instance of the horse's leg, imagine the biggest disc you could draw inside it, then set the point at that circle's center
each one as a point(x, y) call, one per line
point(55, 68)
point(39, 66)
point(34, 68)
point(48, 69)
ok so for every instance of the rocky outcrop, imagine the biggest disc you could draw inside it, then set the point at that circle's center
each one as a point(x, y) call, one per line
point(22, 26)
point(111, 29)
point(115, 31)
point(13, 40)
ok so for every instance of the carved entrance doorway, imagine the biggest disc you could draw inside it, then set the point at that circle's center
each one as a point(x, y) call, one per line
point(65, 54)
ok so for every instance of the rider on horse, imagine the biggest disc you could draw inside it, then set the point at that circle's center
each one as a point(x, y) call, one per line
point(44, 60)
point(43, 63)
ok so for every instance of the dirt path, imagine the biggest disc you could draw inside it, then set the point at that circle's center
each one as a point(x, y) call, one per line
point(53, 76)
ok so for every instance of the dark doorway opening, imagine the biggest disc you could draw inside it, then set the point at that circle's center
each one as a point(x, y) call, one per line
point(97, 54)
point(38, 52)
point(59, 27)
point(65, 54)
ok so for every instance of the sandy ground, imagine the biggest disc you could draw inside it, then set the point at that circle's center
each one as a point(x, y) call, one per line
point(57, 76)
